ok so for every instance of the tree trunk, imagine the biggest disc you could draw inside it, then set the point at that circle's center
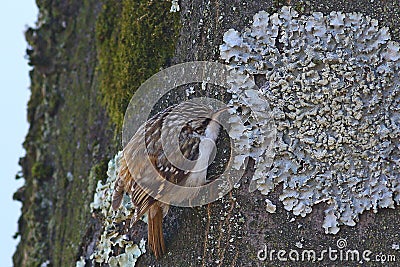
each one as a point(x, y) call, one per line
point(89, 58)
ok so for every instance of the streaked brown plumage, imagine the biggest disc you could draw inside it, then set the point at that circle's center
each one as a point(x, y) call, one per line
point(145, 162)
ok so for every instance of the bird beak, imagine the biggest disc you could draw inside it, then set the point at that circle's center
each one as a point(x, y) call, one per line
point(219, 112)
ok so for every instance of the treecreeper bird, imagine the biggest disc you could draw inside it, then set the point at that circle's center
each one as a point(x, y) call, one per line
point(173, 147)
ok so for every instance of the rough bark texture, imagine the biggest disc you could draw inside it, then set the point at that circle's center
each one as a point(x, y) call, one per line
point(71, 140)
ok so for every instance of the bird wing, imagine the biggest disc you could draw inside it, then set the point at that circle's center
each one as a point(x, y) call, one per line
point(144, 167)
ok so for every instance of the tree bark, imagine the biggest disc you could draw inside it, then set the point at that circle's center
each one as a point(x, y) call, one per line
point(71, 139)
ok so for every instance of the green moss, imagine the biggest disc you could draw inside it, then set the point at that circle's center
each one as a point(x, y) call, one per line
point(300, 6)
point(134, 40)
point(41, 171)
point(99, 171)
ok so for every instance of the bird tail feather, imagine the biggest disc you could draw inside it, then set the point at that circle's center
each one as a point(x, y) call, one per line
point(155, 231)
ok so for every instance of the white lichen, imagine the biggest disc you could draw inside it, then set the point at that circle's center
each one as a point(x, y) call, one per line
point(299, 244)
point(190, 91)
point(271, 208)
point(174, 6)
point(81, 262)
point(332, 83)
point(111, 236)
point(255, 133)
point(70, 177)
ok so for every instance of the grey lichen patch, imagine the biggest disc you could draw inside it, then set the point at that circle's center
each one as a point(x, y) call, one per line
point(254, 133)
point(112, 239)
point(332, 83)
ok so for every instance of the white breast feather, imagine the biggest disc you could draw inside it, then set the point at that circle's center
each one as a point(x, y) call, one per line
point(198, 174)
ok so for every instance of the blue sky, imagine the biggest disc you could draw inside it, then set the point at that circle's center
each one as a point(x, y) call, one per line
point(14, 94)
